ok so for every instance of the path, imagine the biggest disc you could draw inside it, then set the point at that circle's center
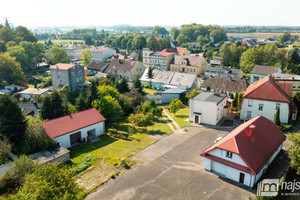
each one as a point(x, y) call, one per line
point(171, 119)
point(169, 124)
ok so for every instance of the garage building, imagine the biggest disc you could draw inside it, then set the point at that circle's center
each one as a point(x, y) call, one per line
point(71, 129)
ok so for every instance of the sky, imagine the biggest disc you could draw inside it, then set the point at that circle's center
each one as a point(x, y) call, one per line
point(48, 13)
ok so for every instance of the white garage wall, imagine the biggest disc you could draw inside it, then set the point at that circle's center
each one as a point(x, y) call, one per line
point(64, 140)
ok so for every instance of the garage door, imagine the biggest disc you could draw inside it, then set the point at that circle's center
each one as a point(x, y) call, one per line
point(75, 138)
point(218, 168)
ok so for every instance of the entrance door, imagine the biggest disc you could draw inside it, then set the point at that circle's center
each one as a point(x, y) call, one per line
point(75, 138)
point(242, 177)
point(196, 119)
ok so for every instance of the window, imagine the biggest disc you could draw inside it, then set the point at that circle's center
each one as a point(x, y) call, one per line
point(229, 154)
point(73, 73)
point(80, 72)
point(249, 114)
point(250, 102)
point(194, 70)
point(260, 107)
point(183, 63)
point(277, 105)
point(172, 68)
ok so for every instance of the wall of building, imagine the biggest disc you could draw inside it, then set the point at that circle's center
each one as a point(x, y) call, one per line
point(269, 109)
point(103, 55)
point(137, 71)
point(296, 85)
point(207, 109)
point(222, 154)
point(65, 142)
point(166, 98)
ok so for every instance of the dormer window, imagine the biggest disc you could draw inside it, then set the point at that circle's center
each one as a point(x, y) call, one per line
point(229, 154)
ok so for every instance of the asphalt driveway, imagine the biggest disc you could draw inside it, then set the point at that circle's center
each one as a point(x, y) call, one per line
point(175, 172)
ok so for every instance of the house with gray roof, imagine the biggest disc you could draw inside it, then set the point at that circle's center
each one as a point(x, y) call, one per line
point(168, 95)
point(261, 71)
point(217, 71)
point(224, 84)
point(207, 108)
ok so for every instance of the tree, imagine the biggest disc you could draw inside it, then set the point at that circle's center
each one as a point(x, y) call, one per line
point(157, 30)
point(175, 106)
point(123, 86)
point(81, 103)
point(2, 46)
point(12, 121)
point(277, 117)
point(219, 35)
point(284, 37)
point(86, 56)
point(236, 100)
point(109, 107)
point(140, 56)
point(293, 151)
point(53, 106)
point(225, 55)
point(7, 34)
point(193, 94)
point(137, 84)
point(35, 52)
point(92, 94)
point(49, 181)
point(152, 43)
point(152, 103)
point(21, 56)
point(208, 88)
point(250, 58)
point(174, 32)
point(150, 75)
point(25, 35)
point(293, 57)
point(10, 70)
point(236, 53)
point(107, 90)
point(57, 55)
point(126, 104)
point(139, 42)
point(35, 138)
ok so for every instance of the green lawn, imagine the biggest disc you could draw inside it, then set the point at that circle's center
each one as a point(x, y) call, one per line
point(109, 151)
point(63, 42)
point(181, 116)
point(149, 91)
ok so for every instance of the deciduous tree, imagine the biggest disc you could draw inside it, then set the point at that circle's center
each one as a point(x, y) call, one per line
point(86, 56)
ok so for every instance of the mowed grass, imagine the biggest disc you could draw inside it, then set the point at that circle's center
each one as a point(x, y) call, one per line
point(109, 151)
point(63, 42)
point(181, 116)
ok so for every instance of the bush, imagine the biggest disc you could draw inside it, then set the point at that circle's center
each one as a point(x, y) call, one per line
point(86, 163)
point(119, 134)
point(237, 115)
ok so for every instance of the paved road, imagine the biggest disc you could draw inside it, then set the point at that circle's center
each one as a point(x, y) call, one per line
point(177, 174)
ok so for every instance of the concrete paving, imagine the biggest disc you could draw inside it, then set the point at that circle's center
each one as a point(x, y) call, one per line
point(174, 171)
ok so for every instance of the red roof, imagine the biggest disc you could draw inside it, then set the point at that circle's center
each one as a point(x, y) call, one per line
point(178, 51)
point(270, 90)
point(66, 124)
point(255, 150)
point(62, 66)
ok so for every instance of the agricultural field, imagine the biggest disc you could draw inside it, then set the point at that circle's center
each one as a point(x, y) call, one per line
point(260, 36)
point(63, 42)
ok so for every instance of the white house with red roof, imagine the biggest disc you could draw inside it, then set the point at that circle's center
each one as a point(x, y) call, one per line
point(71, 129)
point(264, 97)
point(244, 154)
point(161, 60)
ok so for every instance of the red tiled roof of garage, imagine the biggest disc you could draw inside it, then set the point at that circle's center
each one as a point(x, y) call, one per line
point(270, 90)
point(255, 151)
point(66, 124)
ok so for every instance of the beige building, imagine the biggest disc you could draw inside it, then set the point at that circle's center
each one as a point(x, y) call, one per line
point(128, 69)
point(102, 53)
point(162, 60)
point(289, 78)
point(189, 64)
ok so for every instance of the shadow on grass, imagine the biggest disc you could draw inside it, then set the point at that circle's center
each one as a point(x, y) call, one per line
point(104, 140)
point(156, 132)
point(182, 116)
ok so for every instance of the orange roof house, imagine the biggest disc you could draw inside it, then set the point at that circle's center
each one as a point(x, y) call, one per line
point(248, 150)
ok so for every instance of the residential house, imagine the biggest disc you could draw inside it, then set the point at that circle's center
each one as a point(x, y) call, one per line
point(264, 97)
point(102, 53)
point(30, 108)
point(31, 93)
point(74, 52)
point(67, 74)
point(97, 66)
point(228, 72)
point(128, 69)
point(250, 43)
point(261, 71)
point(74, 128)
point(289, 78)
point(243, 38)
point(133, 55)
point(13, 88)
point(166, 80)
point(193, 45)
point(207, 108)
point(216, 61)
point(189, 64)
point(244, 154)
point(223, 84)
point(174, 44)
point(161, 60)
